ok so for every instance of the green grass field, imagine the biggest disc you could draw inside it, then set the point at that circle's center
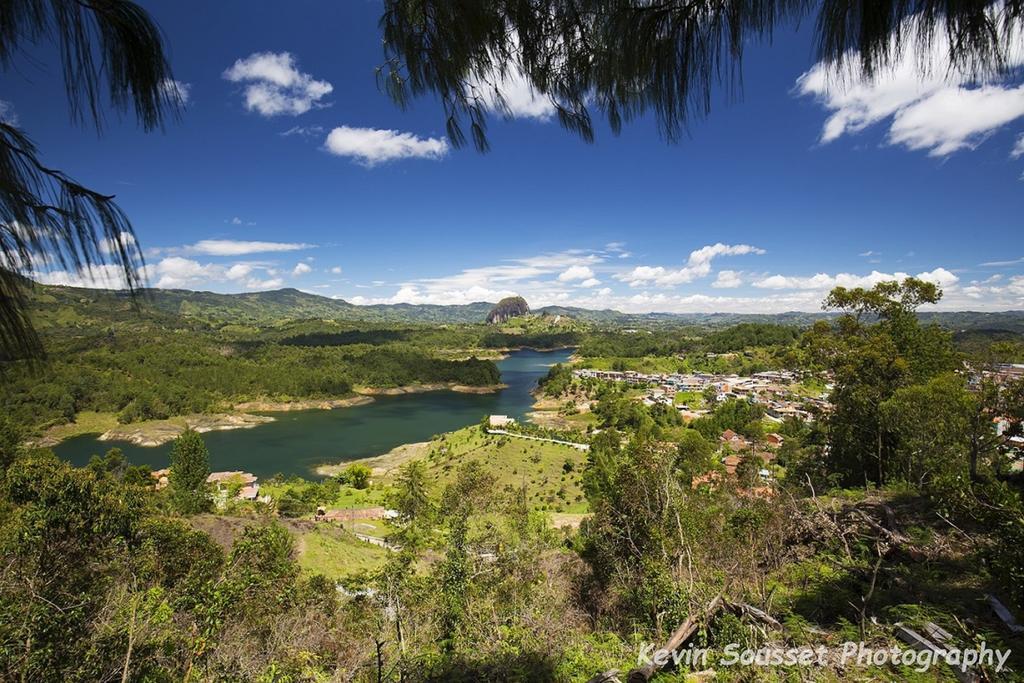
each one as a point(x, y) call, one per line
point(550, 472)
point(693, 399)
point(347, 497)
point(335, 553)
point(86, 422)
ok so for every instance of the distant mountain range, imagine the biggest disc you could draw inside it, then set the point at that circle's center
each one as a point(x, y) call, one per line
point(292, 304)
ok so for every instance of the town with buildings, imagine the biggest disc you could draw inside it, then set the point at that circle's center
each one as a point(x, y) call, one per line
point(776, 390)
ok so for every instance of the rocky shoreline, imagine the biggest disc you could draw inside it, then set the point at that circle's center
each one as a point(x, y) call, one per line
point(286, 406)
point(424, 388)
point(381, 465)
point(159, 432)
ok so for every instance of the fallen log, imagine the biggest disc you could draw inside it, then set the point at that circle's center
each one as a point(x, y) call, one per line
point(937, 633)
point(893, 535)
point(915, 639)
point(1005, 615)
point(919, 642)
point(681, 635)
point(743, 609)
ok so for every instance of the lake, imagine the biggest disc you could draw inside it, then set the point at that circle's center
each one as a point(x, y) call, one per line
point(299, 441)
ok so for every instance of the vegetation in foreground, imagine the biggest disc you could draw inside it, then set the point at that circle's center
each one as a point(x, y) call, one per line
point(914, 524)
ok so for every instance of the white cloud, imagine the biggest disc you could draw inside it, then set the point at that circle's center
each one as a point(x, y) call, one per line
point(275, 84)
point(618, 249)
point(301, 269)
point(941, 111)
point(579, 272)
point(940, 276)
point(698, 265)
point(238, 271)
point(986, 296)
point(179, 272)
point(590, 282)
point(7, 113)
point(727, 279)
point(101, 277)
point(1018, 148)
point(506, 90)
point(1004, 263)
point(534, 277)
point(336, 270)
point(272, 283)
point(819, 281)
point(371, 146)
point(955, 118)
point(511, 94)
point(176, 89)
point(823, 281)
point(236, 221)
point(304, 131)
point(239, 247)
point(109, 246)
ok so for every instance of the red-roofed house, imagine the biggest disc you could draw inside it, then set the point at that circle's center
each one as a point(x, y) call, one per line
point(733, 440)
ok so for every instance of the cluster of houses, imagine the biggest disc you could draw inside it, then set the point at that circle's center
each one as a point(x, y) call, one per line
point(1000, 373)
point(739, 446)
point(224, 482)
point(1004, 373)
point(245, 482)
point(736, 447)
point(772, 388)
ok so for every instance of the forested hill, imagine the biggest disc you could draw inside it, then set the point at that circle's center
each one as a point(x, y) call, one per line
point(53, 302)
point(292, 304)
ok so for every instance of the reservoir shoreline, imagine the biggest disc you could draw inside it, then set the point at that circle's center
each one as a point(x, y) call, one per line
point(295, 437)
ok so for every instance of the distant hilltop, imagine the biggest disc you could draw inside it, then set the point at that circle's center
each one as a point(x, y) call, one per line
point(508, 308)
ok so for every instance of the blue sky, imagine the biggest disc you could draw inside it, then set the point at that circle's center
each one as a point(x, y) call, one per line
point(289, 168)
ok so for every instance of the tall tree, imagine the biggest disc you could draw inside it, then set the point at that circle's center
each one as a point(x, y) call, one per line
point(876, 348)
point(190, 466)
point(929, 423)
point(626, 58)
point(412, 498)
point(695, 454)
point(46, 218)
point(462, 499)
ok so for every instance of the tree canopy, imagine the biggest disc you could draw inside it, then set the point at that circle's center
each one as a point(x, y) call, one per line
point(47, 218)
point(625, 58)
point(190, 466)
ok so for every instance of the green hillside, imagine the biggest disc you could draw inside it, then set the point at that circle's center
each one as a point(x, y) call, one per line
point(262, 308)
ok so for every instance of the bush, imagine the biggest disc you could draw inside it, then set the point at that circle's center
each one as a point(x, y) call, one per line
point(356, 475)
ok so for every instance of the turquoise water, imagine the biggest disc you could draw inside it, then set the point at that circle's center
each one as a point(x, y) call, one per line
point(299, 441)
